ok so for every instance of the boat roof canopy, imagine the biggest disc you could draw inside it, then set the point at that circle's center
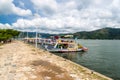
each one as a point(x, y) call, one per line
point(65, 41)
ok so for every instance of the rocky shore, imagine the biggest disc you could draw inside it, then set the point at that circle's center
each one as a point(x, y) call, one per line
point(20, 61)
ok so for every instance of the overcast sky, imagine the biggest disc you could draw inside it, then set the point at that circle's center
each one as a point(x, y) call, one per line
point(59, 16)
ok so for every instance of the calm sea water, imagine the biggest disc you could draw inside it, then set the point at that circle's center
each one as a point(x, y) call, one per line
point(103, 56)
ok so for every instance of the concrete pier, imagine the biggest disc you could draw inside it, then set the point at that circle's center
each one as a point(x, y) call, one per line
point(20, 61)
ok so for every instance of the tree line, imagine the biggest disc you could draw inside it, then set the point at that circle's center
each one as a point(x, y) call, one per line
point(8, 34)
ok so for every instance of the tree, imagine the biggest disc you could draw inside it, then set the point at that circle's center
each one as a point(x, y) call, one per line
point(6, 34)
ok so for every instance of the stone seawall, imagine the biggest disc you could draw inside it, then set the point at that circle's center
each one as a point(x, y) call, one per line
point(20, 61)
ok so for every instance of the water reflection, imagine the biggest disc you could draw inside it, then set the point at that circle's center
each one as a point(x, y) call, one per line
point(71, 55)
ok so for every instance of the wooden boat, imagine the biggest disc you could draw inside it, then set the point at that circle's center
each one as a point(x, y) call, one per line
point(65, 45)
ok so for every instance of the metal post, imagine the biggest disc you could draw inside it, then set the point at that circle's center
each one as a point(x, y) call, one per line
point(23, 30)
point(36, 33)
point(27, 34)
point(36, 38)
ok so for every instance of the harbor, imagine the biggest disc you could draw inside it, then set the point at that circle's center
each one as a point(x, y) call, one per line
point(21, 61)
point(59, 39)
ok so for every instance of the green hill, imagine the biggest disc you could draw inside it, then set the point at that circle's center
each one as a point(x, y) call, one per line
point(105, 33)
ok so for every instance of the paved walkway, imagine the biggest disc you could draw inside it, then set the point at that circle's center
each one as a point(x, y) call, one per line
point(19, 61)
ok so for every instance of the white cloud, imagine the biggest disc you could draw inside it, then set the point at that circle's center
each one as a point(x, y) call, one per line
point(47, 7)
point(5, 26)
point(45, 3)
point(7, 7)
point(21, 4)
point(62, 16)
point(116, 3)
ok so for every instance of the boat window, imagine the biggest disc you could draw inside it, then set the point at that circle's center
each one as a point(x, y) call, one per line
point(59, 46)
point(63, 46)
point(71, 45)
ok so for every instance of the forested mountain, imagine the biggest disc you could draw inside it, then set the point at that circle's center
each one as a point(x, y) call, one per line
point(105, 33)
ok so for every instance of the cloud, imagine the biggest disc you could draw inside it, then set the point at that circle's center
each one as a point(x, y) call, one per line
point(64, 16)
point(7, 7)
point(5, 26)
point(21, 4)
point(46, 7)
